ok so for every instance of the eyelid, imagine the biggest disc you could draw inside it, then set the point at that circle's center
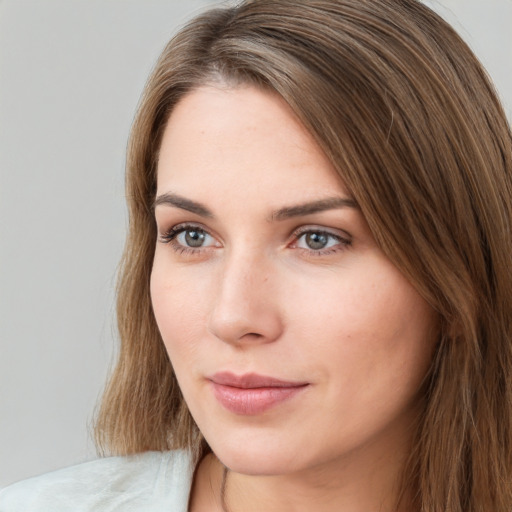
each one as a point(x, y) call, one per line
point(169, 236)
point(344, 240)
point(323, 229)
point(337, 233)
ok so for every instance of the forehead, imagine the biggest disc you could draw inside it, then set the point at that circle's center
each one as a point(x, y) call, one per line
point(226, 139)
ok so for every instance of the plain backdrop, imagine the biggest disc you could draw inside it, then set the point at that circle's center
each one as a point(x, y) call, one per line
point(71, 72)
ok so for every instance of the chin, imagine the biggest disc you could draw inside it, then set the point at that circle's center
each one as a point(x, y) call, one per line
point(254, 458)
point(256, 465)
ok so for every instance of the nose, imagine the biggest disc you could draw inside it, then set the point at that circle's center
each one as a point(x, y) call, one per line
point(246, 309)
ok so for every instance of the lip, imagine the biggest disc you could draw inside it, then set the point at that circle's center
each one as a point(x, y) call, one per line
point(252, 394)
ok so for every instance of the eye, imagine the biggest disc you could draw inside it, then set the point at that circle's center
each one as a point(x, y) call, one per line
point(188, 238)
point(320, 242)
point(193, 237)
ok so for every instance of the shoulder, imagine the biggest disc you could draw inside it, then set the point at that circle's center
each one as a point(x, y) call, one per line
point(151, 481)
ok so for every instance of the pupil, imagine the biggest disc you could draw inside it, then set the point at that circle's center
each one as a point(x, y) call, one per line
point(194, 238)
point(316, 240)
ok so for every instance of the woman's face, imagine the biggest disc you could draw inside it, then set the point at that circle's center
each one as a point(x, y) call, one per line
point(295, 341)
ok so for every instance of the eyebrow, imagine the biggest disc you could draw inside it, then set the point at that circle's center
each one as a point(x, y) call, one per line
point(183, 203)
point(287, 212)
point(311, 207)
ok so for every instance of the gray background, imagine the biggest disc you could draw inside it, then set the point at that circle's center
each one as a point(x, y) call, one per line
point(71, 72)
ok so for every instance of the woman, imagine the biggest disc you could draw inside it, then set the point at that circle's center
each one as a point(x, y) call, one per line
point(315, 301)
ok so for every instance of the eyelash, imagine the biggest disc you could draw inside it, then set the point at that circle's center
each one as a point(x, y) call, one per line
point(341, 245)
point(169, 237)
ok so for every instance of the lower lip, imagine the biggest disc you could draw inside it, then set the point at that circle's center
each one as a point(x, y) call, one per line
point(251, 401)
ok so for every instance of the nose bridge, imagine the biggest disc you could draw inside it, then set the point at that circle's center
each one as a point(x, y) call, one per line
point(244, 268)
point(245, 306)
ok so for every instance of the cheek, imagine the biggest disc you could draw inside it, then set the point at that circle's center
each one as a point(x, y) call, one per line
point(178, 305)
point(370, 328)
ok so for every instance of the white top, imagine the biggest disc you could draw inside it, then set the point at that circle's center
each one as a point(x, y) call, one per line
point(148, 482)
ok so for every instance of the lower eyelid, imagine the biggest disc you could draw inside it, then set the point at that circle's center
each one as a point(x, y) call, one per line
point(341, 243)
point(170, 237)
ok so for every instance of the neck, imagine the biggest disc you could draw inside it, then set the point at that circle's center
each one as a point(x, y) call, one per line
point(347, 489)
point(366, 479)
point(347, 486)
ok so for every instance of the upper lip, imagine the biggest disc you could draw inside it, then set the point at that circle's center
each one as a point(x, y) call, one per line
point(252, 380)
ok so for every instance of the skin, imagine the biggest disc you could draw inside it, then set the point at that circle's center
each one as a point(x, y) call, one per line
point(258, 295)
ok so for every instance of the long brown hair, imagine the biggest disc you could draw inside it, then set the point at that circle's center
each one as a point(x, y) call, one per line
point(409, 119)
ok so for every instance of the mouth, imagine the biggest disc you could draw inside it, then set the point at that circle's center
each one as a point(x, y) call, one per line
point(252, 394)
